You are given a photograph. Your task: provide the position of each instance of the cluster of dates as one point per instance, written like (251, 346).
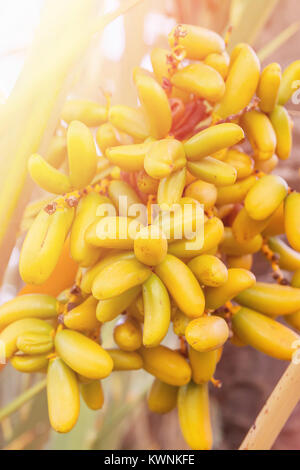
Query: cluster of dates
(86, 259)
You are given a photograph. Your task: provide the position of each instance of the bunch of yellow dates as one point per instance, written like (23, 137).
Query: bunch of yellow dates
(88, 259)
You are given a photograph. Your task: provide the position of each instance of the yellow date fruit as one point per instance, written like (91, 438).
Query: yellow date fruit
(198, 42)
(128, 157)
(90, 274)
(271, 299)
(203, 192)
(107, 136)
(89, 112)
(242, 162)
(63, 396)
(113, 232)
(162, 397)
(119, 277)
(268, 87)
(232, 247)
(260, 132)
(213, 234)
(167, 365)
(86, 213)
(209, 270)
(125, 360)
(213, 139)
(219, 62)
(150, 245)
(83, 355)
(30, 364)
(201, 80)
(132, 121)
(194, 416)
(264, 334)
(182, 285)
(241, 82)
(265, 196)
(245, 229)
(292, 220)
(289, 259)
(235, 193)
(171, 188)
(282, 125)
(213, 171)
(157, 311)
(238, 281)
(155, 105)
(92, 393)
(128, 334)
(164, 157)
(10, 334)
(207, 333)
(43, 245)
(83, 316)
(109, 309)
(203, 364)
(35, 343)
(48, 177)
(82, 156)
(28, 306)
(290, 82)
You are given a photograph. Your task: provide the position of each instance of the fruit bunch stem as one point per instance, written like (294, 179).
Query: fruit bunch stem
(275, 412)
(21, 399)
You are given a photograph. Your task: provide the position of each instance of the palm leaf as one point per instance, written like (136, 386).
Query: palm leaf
(31, 113)
(248, 17)
(278, 41)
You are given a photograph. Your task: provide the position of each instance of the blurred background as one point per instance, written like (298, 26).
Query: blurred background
(248, 377)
